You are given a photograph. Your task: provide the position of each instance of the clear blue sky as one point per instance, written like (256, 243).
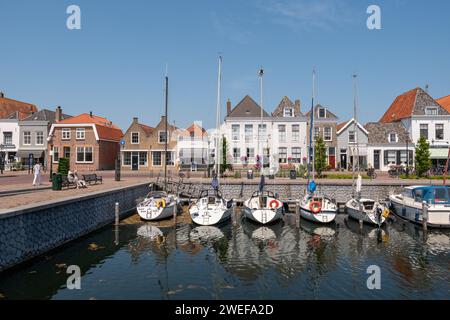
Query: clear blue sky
(115, 64)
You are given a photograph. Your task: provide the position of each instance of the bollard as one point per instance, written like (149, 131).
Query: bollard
(116, 235)
(117, 214)
(424, 215)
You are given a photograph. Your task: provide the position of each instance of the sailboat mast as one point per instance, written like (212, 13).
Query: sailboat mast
(355, 122)
(312, 121)
(260, 143)
(219, 82)
(165, 130)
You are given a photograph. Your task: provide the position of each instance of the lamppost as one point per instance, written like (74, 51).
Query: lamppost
(51, 159)
(407, 151)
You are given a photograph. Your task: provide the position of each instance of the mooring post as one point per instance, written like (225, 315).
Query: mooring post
(424, 215)
(297, 215)
(117, 214)
(234, 214)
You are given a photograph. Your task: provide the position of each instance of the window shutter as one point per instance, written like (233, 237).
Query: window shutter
(385, 157)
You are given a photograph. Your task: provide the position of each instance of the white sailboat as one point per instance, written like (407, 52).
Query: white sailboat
(314, 206)
(159, 205)
(211, 208)
(363, 209)
(262, 207)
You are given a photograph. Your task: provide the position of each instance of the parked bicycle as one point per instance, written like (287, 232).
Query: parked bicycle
(371, 173)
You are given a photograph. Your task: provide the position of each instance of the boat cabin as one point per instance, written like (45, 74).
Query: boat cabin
(429, 194)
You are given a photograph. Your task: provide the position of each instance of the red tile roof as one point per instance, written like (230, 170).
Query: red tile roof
(106, 129)
(147, 129)
(341, 125)
(22, 109)
(445, 102)
(401, 108)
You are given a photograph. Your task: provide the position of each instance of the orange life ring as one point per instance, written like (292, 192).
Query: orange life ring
(271, 204)
(315, 206)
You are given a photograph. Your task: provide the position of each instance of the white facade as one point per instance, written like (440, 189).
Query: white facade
(9, 139)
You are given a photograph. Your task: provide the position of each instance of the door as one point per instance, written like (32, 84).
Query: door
(332, 157)
(344, 161)
(135, 161)
(376, 159)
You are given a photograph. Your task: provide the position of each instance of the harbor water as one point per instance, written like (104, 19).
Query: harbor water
(293, 259)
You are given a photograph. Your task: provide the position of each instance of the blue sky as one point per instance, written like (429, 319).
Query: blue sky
(115, 64)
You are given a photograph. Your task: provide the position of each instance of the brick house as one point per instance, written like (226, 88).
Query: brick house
(144, 147)
(89, 141)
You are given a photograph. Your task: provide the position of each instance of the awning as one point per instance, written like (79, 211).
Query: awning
(439, 153)
(26, 153)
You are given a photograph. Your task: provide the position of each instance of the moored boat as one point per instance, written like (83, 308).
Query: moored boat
(262, 207)
(157, 205)
(211, 208)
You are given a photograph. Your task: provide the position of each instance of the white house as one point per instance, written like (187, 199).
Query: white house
(193, 146)
(352, 140)
(9, 139)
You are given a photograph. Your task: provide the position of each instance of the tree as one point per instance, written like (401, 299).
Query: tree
(224, 165)
(320, 156)
(423, 161)
(63, 166)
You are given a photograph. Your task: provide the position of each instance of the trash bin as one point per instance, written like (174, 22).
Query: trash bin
(292, 174)
(57, 181)
(250, 174)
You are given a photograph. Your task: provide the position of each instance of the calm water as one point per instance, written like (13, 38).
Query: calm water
(242, 261)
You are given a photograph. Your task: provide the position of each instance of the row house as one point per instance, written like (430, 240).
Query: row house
(90, 142)
(194, 147)
(281, 135)
(421, 115)
(143, 147)
(352, 141)
(325, 124)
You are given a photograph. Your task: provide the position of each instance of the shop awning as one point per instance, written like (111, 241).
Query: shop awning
(26, 153)
(439, 154)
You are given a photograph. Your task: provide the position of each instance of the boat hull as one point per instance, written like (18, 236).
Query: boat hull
(263, 216)
(367, 216)
(152, 213)
(324, 216)
(209, 216)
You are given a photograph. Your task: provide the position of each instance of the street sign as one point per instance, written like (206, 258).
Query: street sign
(122, 142)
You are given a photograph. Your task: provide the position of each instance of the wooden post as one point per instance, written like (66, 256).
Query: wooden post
(424, 215)
(297, 215)
(234, 216)
(117, 214)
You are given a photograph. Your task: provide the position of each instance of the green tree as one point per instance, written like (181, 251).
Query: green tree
(423, 161)
(63, 166)
(224, 165)
(320, 156)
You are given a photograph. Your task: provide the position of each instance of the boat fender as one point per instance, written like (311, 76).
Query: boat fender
(315, 206)
(160, 203)
(273, 204)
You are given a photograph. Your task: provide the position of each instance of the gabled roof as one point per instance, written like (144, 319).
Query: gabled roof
(413, 102)
(196, 129)
(379, 132)
(286, 103)
(329, 115)
(444, 102)
(247, 108)
(45, 115)
(342, 126)
(14, 108)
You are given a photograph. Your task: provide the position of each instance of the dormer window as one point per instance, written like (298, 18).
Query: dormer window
(392, 138)
(322, 113)
(431, 111)
(288, 112)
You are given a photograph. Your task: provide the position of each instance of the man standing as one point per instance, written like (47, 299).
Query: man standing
(37, 174)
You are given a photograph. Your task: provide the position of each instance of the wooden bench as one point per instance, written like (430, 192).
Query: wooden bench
(92, 178)
(66, 183)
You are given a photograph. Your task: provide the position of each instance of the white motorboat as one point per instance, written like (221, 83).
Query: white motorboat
(157, 205)
(211, 208)
(410, 205)
(262, 207)
(318, 208)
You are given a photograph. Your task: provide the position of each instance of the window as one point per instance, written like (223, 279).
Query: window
(296, 155)
(295, 132)
(66, 152)
(84, 154)
(55, 154)
(27, 138)
(127, 158)
(7, 138)
(316, 132)
(161, 137)
(439, 131)
(135, 138)
(327, 134)
(390, 157)
(424, 130)
(248, 133)
(169, 158)
(80, 133)
(282, 153)
(65, 134)
(39, 138)
(288, 112)
(351, 137)
(250, 153)
(322, 113)
(262, 132)
(143, 159)
(156, 158)
(235, 132)
(392, 137)
(282, 133)
(236, 154)
(431, 111)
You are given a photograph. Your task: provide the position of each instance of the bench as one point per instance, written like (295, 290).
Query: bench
(66, 183)
(92, 178)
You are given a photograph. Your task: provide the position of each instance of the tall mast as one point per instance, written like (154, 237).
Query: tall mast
(260, 143)
(355, 118)
(219, 82)
(165, 129)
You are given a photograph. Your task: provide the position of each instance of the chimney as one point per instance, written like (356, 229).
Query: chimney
(135, 120)
(297, 105)
(90, 114)
(228, 106)
(2, 95)
(163, 119)
(58, 114)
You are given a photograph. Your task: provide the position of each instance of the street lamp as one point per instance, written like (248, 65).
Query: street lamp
(51, 159)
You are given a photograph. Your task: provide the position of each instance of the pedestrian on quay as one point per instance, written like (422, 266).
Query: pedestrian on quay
(37, 174)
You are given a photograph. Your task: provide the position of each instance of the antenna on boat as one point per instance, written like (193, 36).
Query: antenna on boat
(219, 83)
(260, 144)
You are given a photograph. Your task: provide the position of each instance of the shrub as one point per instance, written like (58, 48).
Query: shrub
(63, 166)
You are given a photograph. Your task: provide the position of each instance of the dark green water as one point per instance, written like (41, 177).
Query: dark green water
(242, 261)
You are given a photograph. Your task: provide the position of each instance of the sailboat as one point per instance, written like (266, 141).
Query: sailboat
(362, 209)
(211, 208)
(314, 206)
(262, 207)
(159, 205)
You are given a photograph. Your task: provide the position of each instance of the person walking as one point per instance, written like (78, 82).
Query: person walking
(37, 174)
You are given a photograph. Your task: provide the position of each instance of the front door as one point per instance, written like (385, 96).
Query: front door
(332, 157)
(376, 159)
(344, 161)
(135, 161)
